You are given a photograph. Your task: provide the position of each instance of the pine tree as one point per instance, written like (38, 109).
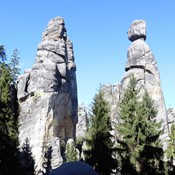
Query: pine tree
(14, 65)
(139, 146)
(99, 153)
(71, 152)
(170, 152)
(8, 124)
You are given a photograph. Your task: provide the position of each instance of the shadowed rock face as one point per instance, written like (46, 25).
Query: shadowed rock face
(47, 94)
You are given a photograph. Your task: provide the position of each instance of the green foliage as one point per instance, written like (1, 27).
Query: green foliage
(71, 152)
(99, 153)
(139, 145)
(8, 124)
(170, 152)
(27, 163)
(14, 65)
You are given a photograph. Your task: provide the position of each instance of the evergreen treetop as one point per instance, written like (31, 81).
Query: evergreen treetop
(14, 65)
(8, 124)
(99, 153)
(139, 144)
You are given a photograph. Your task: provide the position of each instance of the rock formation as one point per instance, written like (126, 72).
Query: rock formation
(112, 96)
(81, 127)
(47, 95)
(171, 116)
(142, 65)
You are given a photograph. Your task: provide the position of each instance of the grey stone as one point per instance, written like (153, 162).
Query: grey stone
(22, 85)
(171, 116)
(48, 95)
(112, 97)
(137, 30)
(142, 64)
(81, 127)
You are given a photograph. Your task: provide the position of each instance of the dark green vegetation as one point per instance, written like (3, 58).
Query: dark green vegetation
(10, 155)
(27, 163)
(100, 149)
(139, 147)
(46, 165)
(8, 119)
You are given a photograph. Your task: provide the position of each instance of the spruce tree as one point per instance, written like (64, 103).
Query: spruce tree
(139, 146)
(170, 152)
(14, 65)
(8, 124)
(99, 152)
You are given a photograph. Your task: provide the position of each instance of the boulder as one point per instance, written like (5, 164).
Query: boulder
(137, 30)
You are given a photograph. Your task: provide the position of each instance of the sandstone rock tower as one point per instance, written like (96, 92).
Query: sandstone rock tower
(142, 64)
(47, 95)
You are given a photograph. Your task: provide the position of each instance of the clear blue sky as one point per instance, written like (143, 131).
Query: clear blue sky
(97, 29)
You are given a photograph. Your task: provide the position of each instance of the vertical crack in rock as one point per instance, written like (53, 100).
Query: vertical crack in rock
(47, 95)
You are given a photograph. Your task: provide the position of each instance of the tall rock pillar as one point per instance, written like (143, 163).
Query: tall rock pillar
(142, 64)
(47, 95)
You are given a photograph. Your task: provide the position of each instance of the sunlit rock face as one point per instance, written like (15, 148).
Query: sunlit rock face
(171, 117)
(81, 127)
(112, 96)
(47, 95)
(142, 65)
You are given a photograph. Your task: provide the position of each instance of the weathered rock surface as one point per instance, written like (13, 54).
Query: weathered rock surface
(112, 96)
(142, 64)
(81, 127)
(137, 30)
(47, 94)
(171, 116)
